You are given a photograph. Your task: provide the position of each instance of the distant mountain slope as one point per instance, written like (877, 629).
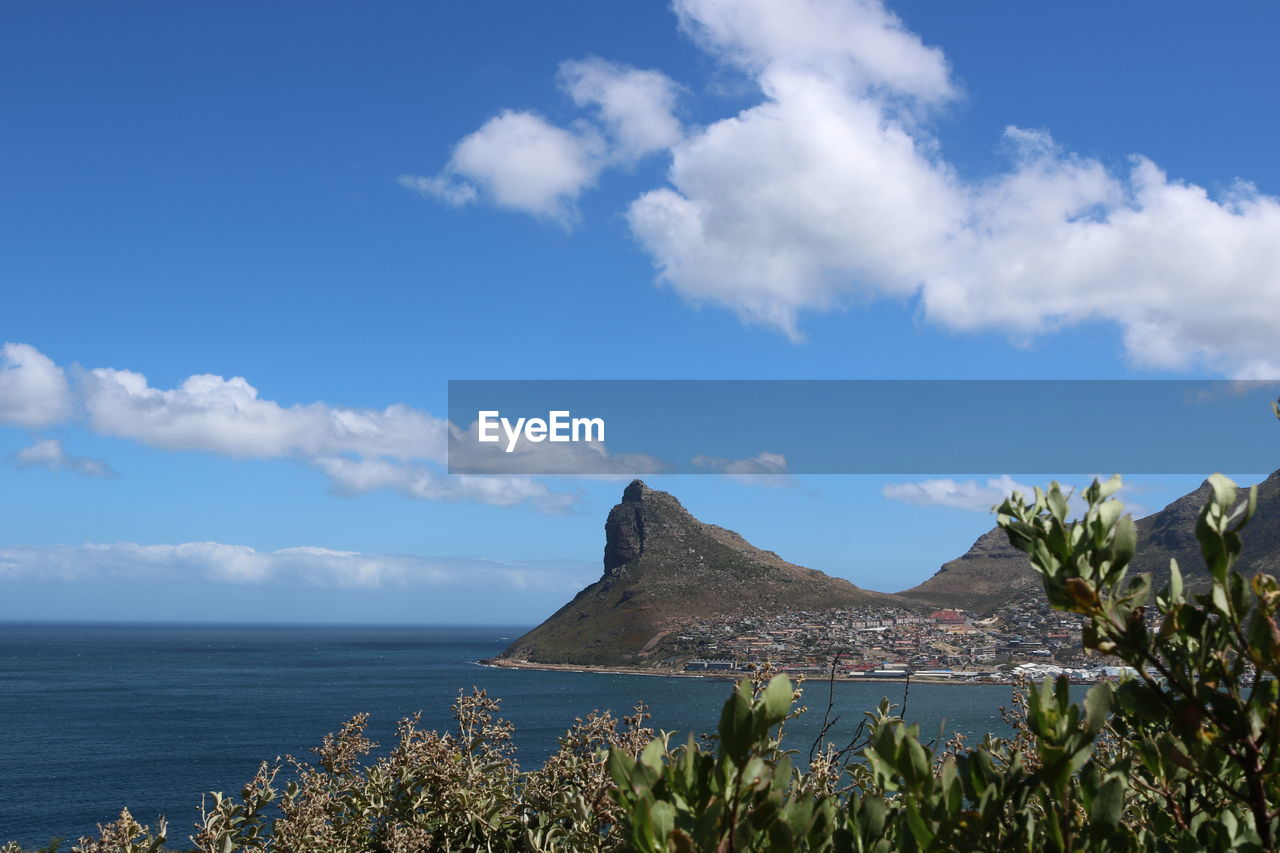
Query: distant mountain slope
(664, 568)
(989, 574)
(992, 572)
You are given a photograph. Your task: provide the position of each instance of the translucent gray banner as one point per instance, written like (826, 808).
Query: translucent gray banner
(777, 427)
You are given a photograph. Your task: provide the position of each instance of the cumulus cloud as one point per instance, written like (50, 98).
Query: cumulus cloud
(982, 497)
(353, 477)
(795, 204)
(858, 44)
(1185, 276)
(227, 416)
(218, 563)
(520, 161)
(833, 190)
(398, 448)
(49, 454)
(763, 469)
(957, 494)
(33, 389)
(637, 107)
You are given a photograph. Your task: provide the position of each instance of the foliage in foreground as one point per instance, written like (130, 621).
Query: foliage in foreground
(1180, 757)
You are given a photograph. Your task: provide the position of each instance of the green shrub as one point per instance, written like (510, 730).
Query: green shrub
(1180, 757)
(461, 790)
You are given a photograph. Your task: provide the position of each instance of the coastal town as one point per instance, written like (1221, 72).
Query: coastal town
(1024, 639)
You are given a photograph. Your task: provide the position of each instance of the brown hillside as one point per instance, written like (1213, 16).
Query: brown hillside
(992, 572)
(664, 568)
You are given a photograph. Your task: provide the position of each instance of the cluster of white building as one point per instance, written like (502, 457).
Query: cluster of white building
(1041, 671)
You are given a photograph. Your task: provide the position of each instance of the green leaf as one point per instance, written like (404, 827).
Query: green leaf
(1224, 490)
(653, 755)
(918, 760)
(1125, 542)
(777, 699)
(1108, 805)
(735, 721)
(662, 818)
(919, 829)
(1220, 598)
(1097, 705)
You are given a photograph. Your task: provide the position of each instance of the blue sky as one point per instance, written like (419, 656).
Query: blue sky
(348, 206)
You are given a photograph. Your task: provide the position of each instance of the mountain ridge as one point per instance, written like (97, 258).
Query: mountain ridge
(993, 572)
(664, 568)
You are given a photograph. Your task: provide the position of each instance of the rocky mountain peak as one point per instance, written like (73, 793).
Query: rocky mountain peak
(665, 569)
(635, 491)
(643, 514)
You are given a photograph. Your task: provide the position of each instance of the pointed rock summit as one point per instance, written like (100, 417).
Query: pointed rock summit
(625, 531)
(664, 569)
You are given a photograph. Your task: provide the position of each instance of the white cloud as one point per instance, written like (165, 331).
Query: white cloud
(1187, 278)
(763, 469)
(448, 188)
(858, 43)
(832, 190)
(519, 161)
(800, 202)
(398, 448)
(636, 106)
(982, 497)
(227, 416)
(49, 454)
(957, 494)
(213, 562)
(33, 390)
(361, 476)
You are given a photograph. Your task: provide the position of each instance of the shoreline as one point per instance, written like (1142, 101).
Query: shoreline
(723, 675)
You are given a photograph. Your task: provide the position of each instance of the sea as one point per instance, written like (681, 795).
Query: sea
(100, 717)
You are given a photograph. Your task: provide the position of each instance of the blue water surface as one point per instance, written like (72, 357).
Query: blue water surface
(98, 717)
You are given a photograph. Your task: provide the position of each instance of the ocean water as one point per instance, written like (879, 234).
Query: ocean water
(98, 717)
